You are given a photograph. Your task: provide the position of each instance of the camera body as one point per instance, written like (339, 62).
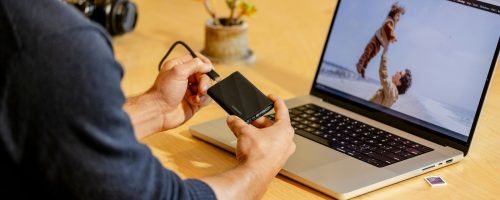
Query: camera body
(117, 16)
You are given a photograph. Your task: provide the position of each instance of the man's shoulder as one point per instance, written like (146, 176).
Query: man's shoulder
(393, 90)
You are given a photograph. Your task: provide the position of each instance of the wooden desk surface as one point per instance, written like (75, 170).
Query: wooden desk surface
(287, 37)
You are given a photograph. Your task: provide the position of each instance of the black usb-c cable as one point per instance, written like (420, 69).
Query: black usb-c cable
(212, 74)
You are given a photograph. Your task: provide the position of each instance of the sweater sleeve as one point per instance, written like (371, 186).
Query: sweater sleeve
(78, 141)
(383, 75)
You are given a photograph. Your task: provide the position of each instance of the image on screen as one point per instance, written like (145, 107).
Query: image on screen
(425, 61)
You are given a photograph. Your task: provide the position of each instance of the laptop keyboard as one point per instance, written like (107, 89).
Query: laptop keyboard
(351, 137)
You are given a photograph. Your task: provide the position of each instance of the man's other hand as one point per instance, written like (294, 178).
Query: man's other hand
(264, 146)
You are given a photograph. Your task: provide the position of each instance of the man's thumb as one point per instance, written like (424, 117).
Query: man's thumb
(236, 124)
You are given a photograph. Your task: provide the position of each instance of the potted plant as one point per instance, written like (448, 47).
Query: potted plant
(226, 38)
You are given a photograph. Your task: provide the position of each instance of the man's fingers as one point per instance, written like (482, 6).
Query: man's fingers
(203, 58)
(191, 67)
(204, 82)
(205, 100)
(236, 125)
(176, 61)
(184, 59)
(280, 108)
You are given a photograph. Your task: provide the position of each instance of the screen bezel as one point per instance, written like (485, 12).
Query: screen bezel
(404, 125)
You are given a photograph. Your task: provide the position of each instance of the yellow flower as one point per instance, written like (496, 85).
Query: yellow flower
(247, 9)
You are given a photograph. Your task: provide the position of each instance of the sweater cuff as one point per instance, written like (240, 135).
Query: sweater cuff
(199, 189)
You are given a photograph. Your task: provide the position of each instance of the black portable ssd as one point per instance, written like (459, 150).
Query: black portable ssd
(237, 96)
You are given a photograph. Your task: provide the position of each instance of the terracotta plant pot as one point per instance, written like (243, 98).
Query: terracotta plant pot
(227, 44)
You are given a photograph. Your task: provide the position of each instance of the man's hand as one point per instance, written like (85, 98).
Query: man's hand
(262, 149)
(264, 144)
(180, 90)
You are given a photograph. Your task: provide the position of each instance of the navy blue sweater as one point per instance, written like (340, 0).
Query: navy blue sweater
(63, 132)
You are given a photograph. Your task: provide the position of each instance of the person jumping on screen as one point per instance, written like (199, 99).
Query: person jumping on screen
(384, 35)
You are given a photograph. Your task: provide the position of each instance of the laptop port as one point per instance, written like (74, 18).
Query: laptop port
(432, 166)
(449, 161)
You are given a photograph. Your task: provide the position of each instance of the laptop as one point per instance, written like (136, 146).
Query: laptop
(356, 134)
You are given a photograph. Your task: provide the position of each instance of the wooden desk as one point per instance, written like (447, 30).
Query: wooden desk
(288, 38)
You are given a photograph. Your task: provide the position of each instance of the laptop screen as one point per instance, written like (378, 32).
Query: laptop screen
(426, 62)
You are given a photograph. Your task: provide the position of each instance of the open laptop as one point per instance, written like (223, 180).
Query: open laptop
(349, 141)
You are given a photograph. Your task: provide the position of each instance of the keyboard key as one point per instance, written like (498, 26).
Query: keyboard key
(406, 142)
(395, 157)
(309, 129)
(304, 115)
(306, 122)
(392, 143)
(313, 119)
(309, 111)
(413, 151)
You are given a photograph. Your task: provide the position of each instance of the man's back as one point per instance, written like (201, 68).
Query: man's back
(63, 132)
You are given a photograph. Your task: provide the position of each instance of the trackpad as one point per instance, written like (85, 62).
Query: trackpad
(310, 154)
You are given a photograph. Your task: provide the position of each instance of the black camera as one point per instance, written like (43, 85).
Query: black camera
(117, 16)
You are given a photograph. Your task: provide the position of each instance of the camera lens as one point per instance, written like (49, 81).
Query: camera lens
(123, 17)
(117, 16)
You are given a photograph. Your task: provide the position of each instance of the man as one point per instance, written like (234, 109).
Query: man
(67, 131)
(388, 94)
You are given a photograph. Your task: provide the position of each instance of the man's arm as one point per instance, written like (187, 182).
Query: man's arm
(383, 75)
(80, 143)
(145, 113)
